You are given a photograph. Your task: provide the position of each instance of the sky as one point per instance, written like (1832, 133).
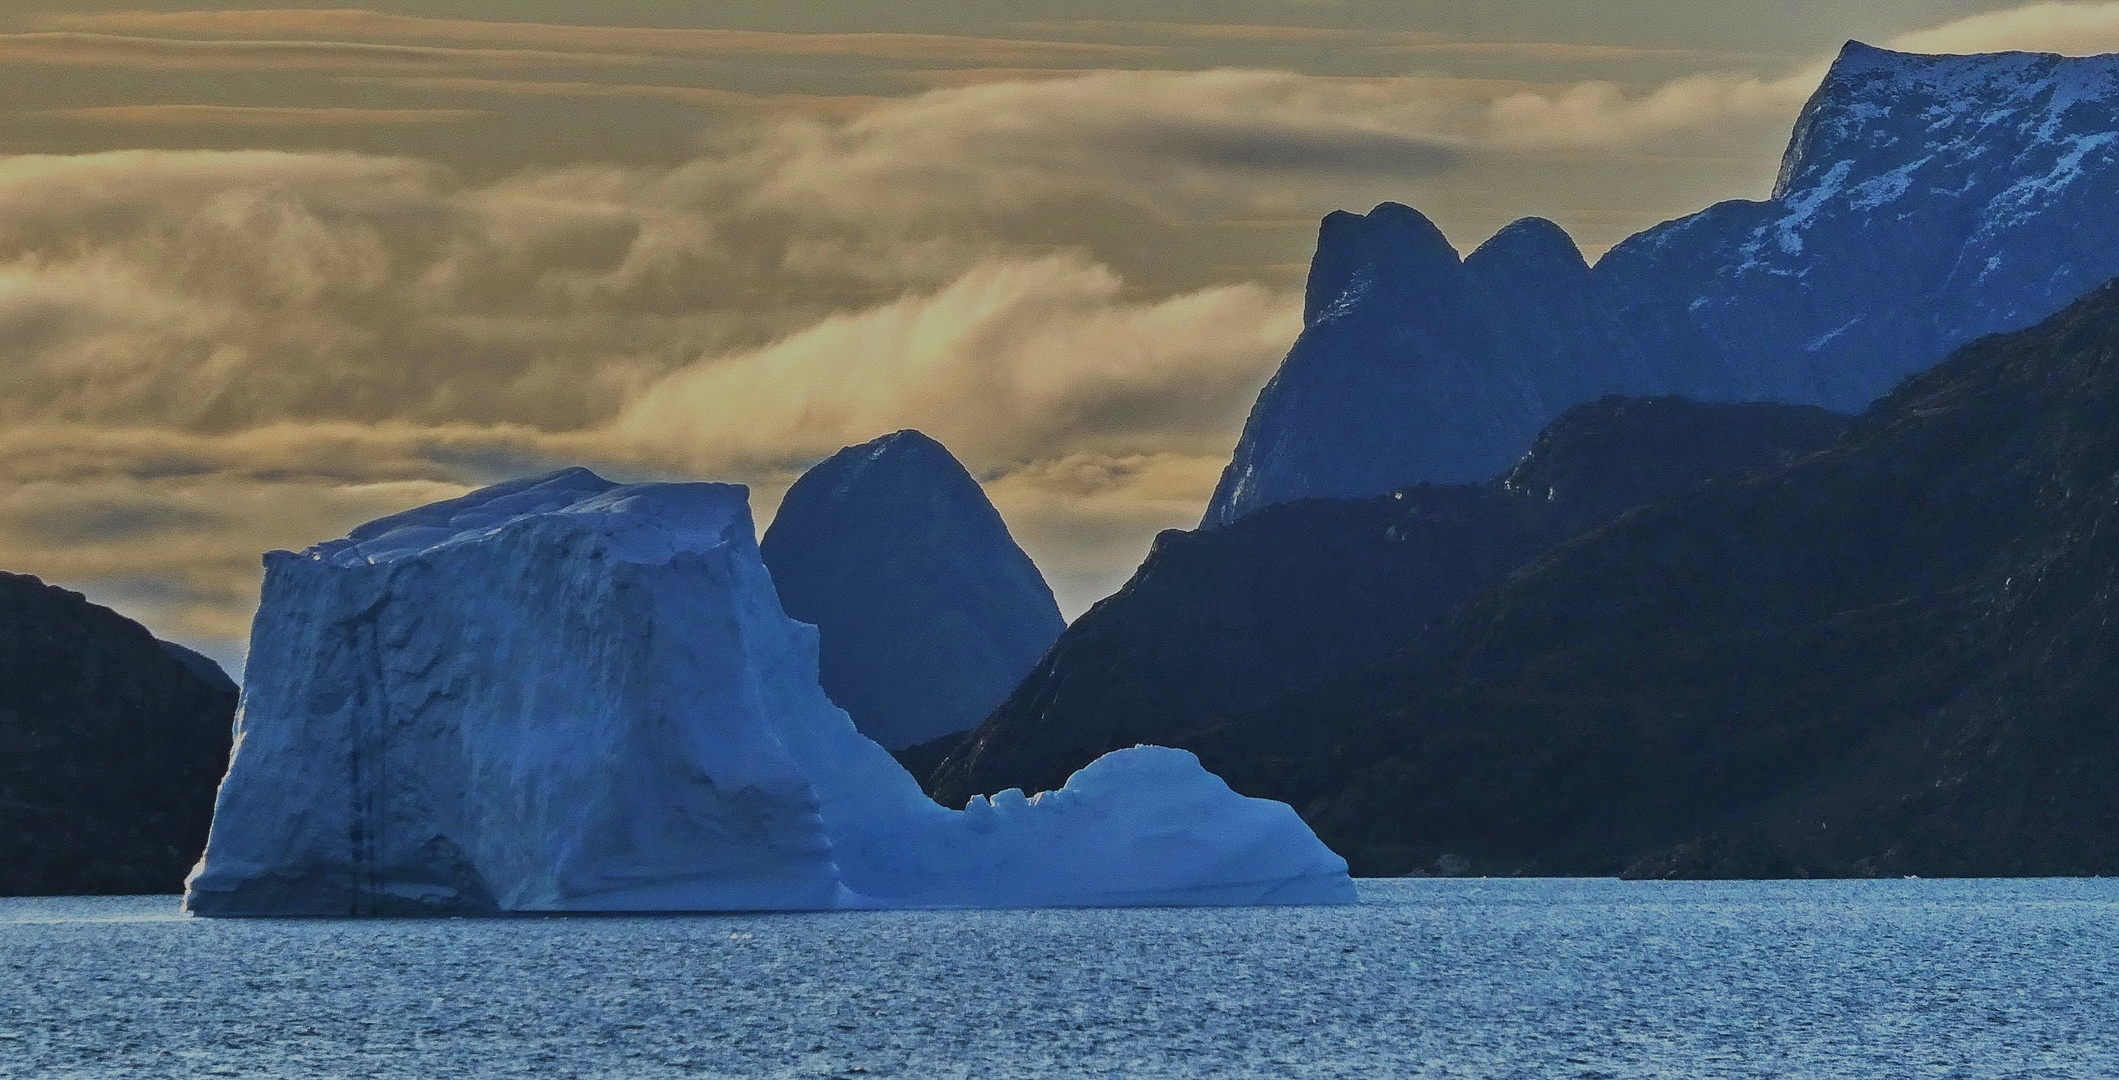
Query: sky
(268, 272)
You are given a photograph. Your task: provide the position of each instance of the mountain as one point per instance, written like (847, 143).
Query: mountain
(1224, 620)
(1413, 365)
(1617, 453)
(1892, 656)
(1551, 314)
(110, 748)
(1923, 201)
(928, 611)
(205, 667)
(561, 694)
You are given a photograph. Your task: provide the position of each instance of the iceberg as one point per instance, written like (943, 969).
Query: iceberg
(563, 694)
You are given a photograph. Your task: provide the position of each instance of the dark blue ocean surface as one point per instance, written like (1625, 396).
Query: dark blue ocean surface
(1555, 978)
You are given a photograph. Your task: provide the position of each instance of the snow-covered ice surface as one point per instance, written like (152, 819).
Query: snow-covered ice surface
(561, 694)
(1466, 978)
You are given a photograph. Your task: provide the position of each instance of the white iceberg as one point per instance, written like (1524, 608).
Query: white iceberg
(560, 694)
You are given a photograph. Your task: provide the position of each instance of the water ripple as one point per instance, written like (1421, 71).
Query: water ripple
(1464, 979)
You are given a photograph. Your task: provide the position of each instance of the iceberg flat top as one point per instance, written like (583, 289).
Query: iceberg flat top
(647, 523)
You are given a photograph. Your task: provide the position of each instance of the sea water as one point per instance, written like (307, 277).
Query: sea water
(1448, 978)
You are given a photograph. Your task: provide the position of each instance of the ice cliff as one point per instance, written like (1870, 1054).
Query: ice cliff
(927, 611)
(560, 694)
(1923, 201)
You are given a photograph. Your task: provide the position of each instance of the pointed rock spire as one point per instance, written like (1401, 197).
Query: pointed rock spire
(929, 613)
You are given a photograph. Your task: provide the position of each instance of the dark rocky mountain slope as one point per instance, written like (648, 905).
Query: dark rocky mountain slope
(1899, 655)
(927, 611)
(1224, 620)
(111, 748)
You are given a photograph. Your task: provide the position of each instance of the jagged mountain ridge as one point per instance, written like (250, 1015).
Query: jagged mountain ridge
(928, 611)
(1893, 656)
(1923, 201)
(1220, 621)
(1415, 365)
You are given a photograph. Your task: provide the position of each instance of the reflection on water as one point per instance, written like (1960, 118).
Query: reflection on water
(1574, 979)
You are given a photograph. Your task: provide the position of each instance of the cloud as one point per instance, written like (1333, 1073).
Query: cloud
(1012, 362)
(1243, 148)
(868, 197)
(1242, 33)
(1068, 396)
(2075, 29)
(666, 41)
(1094, 420)
(217, 291)
(1570, 51)
(248, 116)
(1155, 140)
(1087, 518)
(696, 97)
(950, 78)
(175, 54)
(1076, 278)
(1386, 41)
(1603, 114)
(328, 453)
(1178, 147)
(182, 553)
(168, 525)
(203, 354)
(1405, 86)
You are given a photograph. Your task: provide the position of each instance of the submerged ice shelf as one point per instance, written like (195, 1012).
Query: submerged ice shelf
(561, 694)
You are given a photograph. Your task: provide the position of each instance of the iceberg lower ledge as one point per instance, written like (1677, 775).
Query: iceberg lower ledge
(560, 694)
